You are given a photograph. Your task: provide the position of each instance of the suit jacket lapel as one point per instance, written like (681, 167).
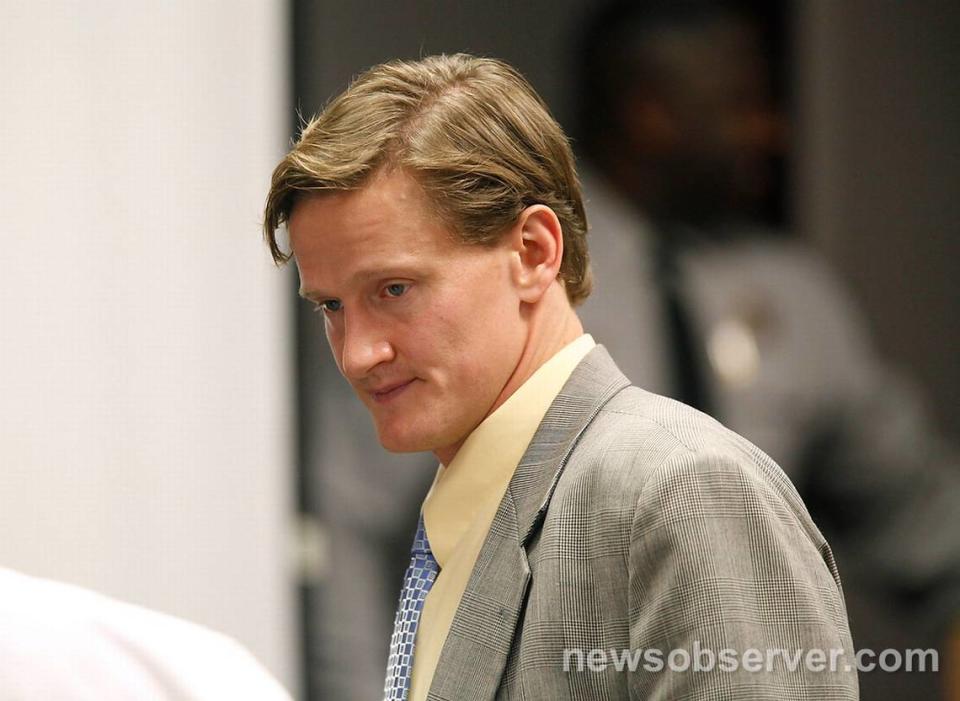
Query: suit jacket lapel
(477, 647)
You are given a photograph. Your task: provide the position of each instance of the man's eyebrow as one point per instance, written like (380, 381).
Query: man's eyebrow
(311, 295)
(384, 271)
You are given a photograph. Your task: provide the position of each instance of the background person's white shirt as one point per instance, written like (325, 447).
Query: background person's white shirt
(63, 642)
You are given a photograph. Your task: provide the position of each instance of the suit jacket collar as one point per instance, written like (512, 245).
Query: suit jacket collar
(481, 634)
(591, 385)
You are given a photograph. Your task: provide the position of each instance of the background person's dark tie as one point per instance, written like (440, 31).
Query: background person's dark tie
(685, 347)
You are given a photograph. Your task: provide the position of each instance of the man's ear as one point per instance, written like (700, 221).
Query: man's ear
(537, 241)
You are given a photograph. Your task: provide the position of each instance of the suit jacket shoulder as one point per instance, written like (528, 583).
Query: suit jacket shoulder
(638, 436)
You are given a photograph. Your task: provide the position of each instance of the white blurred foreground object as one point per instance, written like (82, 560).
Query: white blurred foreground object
(62, 642)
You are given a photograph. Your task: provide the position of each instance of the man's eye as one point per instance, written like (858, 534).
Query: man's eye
(396, 289)
(329, 305)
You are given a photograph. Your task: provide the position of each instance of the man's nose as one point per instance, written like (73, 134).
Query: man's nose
(365, 346)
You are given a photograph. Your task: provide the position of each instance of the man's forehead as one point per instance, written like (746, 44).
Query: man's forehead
(376, 201)
(382, 235)
(343, 239)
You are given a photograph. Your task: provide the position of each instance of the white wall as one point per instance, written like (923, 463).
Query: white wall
(145, 362)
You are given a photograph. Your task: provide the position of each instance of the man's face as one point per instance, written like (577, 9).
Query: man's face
(426, 329)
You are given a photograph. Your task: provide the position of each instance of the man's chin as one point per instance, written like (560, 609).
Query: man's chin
(407, 439)
(405, 442)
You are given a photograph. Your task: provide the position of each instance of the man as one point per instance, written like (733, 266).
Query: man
(700, 298)
(437, 223)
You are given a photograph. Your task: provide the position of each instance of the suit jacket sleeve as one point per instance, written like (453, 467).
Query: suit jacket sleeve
(724, 559)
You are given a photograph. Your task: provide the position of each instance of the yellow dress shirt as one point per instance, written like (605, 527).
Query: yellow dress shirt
(465, 495)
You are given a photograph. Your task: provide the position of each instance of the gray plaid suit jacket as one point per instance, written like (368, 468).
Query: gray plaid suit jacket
(634, 522)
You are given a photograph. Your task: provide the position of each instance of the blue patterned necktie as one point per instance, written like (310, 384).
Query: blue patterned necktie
(420, 576)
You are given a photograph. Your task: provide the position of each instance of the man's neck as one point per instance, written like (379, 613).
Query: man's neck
(552, 324)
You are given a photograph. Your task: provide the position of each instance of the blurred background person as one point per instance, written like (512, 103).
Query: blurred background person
(685, 136)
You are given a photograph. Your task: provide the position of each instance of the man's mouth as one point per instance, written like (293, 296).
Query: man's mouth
(385, 393)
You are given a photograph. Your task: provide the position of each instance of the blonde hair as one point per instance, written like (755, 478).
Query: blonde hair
(472, 132)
